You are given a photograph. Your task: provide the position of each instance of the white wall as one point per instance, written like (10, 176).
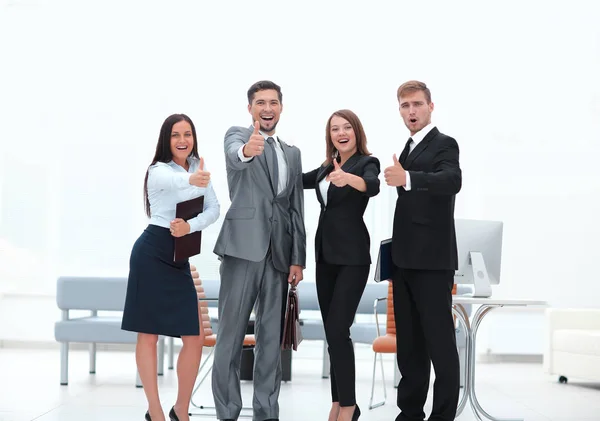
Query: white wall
(85, 86)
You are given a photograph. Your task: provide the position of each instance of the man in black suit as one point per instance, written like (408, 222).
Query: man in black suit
(427, 177)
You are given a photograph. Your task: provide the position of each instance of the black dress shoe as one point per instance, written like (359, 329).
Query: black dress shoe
(172, 415)
(147, 416)
(356, 413)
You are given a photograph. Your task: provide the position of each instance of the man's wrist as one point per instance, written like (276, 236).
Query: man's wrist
(244, 151)
(242, 156)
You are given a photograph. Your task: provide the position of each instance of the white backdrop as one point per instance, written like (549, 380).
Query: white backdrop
(85, 86)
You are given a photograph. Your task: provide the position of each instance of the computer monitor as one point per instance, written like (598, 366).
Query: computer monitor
(479, 254)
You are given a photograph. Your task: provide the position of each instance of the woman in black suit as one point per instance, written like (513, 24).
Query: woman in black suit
(344, 184)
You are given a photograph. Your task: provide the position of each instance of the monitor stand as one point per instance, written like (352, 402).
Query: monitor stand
(481, 280)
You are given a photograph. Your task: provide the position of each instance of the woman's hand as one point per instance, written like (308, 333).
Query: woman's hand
(179, 227)
(338, 177)
(200, 178)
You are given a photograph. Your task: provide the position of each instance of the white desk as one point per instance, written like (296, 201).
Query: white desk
(471, 327)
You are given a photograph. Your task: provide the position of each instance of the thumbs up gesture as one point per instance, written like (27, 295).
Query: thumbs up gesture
(338, 177)
(200, 178)
(256, 144)
(395, 175)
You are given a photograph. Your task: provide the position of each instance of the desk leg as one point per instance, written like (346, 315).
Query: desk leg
(477, 409)
(460, 312)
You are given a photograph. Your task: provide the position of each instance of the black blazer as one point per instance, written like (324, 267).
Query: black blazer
(424, 235)
(342, 237)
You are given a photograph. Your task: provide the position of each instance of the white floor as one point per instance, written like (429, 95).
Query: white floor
(30, 390)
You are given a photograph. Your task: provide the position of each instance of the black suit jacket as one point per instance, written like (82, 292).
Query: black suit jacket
(342, 237)
(424, 235)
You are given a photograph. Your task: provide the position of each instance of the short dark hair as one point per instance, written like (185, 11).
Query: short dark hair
(262, 86)
(414, 86)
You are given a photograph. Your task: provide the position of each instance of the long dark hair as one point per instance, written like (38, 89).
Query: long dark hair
(361, 138)
(163, 149)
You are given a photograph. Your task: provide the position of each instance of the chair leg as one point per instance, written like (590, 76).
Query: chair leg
(64, 363)
(202, 379)
(161, 356)
(462, 358)
(138, 380)
(378, 404)
(326, 363)
(204, 363)
(93, 358)
(171, 353)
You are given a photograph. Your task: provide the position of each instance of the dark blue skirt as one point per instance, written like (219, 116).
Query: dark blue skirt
(161, 297)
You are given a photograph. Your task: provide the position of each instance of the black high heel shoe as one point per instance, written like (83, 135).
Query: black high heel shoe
(172, 415)
(356, 413)
(147, 416)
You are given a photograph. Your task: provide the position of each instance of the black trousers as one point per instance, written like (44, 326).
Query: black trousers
(339, 289)
(425, 334)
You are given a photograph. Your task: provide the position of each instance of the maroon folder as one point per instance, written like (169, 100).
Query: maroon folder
(188, 245)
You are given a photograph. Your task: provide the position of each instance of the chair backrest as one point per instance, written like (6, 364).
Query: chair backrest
(210, 287)
(206, 325)
(308, 300)
(390, 327)
(370, 294)
(307, 296)
(91, 293)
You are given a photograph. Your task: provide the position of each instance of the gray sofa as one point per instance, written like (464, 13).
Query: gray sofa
(96, 295)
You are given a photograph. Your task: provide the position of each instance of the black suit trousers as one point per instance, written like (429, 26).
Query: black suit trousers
(425, 334)
(339, 290)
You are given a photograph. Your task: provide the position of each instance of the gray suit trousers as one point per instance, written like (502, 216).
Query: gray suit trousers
(244, 283)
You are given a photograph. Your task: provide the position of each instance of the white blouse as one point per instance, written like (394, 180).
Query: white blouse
(324, 187)
(169, 184)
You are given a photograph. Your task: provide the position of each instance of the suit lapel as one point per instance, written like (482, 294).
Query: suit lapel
(263, 161)
(321, 174)
(351, 162)
(286, 153)
(423, 144)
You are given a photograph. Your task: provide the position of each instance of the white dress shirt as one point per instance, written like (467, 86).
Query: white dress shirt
(416, 139)
(281, 162)
(169, 184)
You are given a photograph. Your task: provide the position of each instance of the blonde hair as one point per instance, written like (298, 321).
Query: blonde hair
(414, 86)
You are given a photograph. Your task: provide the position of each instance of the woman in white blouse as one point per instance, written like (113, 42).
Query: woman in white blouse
(161, 296)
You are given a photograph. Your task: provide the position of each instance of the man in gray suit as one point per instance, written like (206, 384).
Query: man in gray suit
(262, 245)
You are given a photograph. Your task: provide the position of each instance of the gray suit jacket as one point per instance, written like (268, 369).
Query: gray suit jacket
(258, 216)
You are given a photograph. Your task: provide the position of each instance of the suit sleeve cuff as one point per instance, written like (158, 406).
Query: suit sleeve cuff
(407, 185)
(241, 154)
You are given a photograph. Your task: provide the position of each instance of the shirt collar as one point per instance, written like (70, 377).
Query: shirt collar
(190, 160)
(420, 135)
(274, 136)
